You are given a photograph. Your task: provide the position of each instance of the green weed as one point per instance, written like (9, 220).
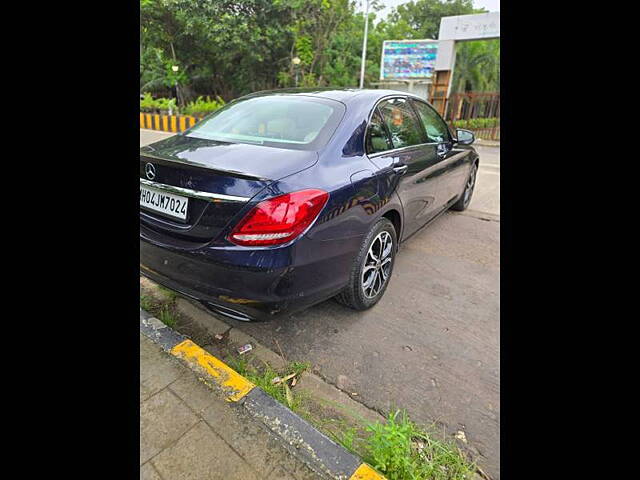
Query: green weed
(402, 451)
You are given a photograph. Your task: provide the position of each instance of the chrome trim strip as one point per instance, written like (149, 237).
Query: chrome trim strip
(212, 197)
(399, 150)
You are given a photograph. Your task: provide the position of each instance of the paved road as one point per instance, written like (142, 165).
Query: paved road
(150, 136)
(486, 197)
(431, 345)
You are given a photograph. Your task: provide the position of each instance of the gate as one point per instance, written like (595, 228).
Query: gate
(478, 112)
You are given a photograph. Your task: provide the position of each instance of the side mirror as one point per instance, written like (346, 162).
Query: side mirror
(465, 137)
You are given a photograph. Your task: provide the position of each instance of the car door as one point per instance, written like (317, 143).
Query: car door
(397, 144)
(455, 162)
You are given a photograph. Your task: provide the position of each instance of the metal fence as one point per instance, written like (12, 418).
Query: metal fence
(478, 112)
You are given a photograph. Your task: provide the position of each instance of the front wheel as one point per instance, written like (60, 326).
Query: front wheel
(372, 268)
(465, 199)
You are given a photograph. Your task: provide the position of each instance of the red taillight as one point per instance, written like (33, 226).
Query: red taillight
(279, 219)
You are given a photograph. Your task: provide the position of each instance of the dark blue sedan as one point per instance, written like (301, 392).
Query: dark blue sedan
(283, 199)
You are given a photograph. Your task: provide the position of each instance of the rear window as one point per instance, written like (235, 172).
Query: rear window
(295, 122)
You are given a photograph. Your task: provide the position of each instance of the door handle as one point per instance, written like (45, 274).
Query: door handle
(441, 150)
(400, 169)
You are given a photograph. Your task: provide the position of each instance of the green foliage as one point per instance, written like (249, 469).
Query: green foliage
(421, 18)
(304, 49)
(402, 451)
(477, 67)
(202, 107)
(167, 316)
(147, 104)
(146, 302)
(309, 80)
(165, 310)
(264, 377)
(198, 107)
(157, 105)
(477, 123)
(397, 448)
(284, 79)
(228, 49)
(299, 367)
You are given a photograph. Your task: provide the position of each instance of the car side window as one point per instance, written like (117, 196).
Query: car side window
(437, 130)
(377, 137)
(401, 123)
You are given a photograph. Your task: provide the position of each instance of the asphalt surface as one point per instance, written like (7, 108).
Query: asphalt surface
(431, 345)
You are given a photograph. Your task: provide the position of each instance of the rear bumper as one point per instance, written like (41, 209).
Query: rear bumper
(248, 284)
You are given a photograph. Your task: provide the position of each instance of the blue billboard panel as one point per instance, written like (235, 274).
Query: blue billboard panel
(408, 59)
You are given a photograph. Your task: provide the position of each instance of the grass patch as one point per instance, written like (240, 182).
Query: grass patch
(401, 451)
(163, 311)
(146, 302)
(169, 294)
(167, 316)
(264, 377)
(398, 448)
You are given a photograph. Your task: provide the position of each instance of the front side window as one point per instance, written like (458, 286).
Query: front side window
(377, 138)
(401, 123)
(437, 131)
(301, 123)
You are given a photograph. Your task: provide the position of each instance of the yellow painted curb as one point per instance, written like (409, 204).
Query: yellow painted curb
(365, 472)
(234, 384)
(167, 123)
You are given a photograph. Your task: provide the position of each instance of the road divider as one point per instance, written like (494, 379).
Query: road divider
(167, 123)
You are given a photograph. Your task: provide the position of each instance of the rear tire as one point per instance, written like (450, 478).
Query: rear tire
(372, 268)
(465, 199)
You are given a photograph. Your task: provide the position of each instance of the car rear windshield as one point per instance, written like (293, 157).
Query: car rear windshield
(294, 122)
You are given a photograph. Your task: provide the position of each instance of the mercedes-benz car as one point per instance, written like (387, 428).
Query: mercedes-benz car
(283, 199)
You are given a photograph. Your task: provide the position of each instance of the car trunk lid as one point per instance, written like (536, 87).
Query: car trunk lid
(218, 179)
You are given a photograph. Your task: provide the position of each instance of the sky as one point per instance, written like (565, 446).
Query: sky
(490, 5)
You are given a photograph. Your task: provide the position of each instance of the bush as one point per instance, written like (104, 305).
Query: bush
(202, 107)
(198, 107)
(159, 105)
(477, 123)
(403, 451)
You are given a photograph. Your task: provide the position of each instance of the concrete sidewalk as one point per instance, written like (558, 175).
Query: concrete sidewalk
(188, 431)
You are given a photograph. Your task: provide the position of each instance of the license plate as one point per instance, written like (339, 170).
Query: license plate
(163, 202)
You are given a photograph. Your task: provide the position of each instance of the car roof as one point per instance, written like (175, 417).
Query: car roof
(344, 95)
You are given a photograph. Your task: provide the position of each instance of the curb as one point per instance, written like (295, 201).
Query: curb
(167, 123)
(301, 439)
(487, 143)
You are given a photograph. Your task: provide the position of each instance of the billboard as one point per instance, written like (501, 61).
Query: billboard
(408, 59)
(470, 27)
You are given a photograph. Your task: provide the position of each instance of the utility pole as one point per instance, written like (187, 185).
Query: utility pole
(364, 43)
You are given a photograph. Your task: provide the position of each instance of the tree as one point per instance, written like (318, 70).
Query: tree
(233, 47)
(477, 67)
(223, 46)
(421, 18)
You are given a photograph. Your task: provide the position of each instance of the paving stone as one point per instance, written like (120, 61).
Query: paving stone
(157, 370)
(177, 441)
(202, 455)
(163, 419)
(194, 393)
(147, 472)
(260, 448)
(280, 473)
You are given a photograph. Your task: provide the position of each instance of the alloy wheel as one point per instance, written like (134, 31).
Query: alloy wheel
(471, 183)
(377, 265)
